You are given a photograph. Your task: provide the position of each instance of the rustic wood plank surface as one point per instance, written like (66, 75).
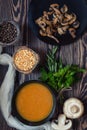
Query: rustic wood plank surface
(75, 53)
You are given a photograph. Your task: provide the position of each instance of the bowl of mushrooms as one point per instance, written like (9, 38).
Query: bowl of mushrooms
(58, 22)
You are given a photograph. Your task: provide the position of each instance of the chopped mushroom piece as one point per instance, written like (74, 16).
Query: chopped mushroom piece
(68, 17)
(73, 108)
(73, 19)
(64, 9)
(62, 123)
(42, 33)
(48, 30)
(60, 31)
(72, 31)
(41, 23)
(54, 5)
(76, 24)
(55, 20)
(45, 14)
(65, 28)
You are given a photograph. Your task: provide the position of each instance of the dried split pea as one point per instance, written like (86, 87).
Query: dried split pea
(25, 59)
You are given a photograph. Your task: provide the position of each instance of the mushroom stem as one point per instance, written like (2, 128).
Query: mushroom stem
(63, 123)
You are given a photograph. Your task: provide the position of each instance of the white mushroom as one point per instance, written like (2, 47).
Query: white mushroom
(62, 123)
(73, 108)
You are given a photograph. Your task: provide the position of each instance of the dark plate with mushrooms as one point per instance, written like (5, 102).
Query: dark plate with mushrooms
(58, 22)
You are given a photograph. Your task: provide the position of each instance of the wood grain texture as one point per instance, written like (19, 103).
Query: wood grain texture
(75, 53)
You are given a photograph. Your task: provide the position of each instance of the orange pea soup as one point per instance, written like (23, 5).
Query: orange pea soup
(34, 102)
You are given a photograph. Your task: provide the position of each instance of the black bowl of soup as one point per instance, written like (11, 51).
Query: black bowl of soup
(33, 103)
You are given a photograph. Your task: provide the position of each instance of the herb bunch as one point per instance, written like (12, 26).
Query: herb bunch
(57, 75)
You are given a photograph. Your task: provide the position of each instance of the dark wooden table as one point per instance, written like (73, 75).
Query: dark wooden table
(75, 53)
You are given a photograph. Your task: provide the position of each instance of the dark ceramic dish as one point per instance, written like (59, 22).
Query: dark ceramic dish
(78, 7)
(17, 115)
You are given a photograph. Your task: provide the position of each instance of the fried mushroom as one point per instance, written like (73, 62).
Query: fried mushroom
(43, 33)
(54, 5)
(68, 17)
(76, 24)
(64, 9)
(60, 31)
(53, 37)
(57, 21)
(45, 15)
(72, 31)
(41, 23)
(73, 19)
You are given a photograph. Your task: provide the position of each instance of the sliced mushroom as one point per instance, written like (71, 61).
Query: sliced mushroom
(62, 123)
(38, 20)
(48, 35)
(76, 24)
(54, 5)
(73, 19)
(64, 9)
(72, 32)
(57, 11)
(65, 28)
(47, 22)
(60, 31)
(48, 30)
(50, 13)
(43, 33)
(55, 20)
(73, 108)
(51, 36)
(60, 18)
(41, 24)
(68, 17)
(45, 15)
(64, 23)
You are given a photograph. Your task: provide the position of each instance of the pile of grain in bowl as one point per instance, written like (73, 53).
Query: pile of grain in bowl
(25, 59)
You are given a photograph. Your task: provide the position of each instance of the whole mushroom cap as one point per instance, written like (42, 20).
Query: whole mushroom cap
(73, 108)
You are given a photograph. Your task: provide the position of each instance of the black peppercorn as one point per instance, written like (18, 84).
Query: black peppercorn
(8, 32)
